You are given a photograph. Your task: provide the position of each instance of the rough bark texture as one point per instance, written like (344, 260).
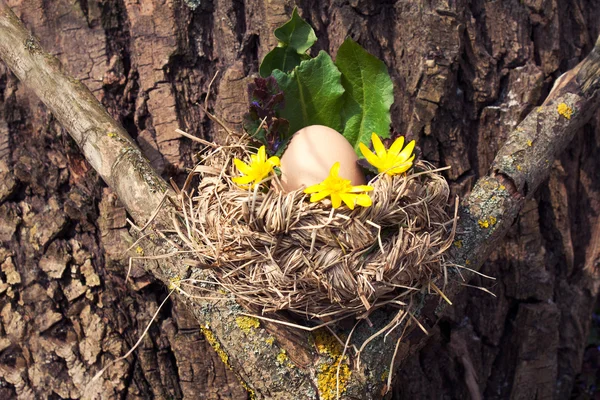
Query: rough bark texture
(465, 74)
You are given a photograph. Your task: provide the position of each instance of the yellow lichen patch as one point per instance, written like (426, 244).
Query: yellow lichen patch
(502, 187)
(139, 250)
(487, 222)
(529, 143)
(565, 110)
(247, 324)
(270, 340)
(282, 357)
(174, 282)
(519, 167)
(327, 373)
(327, 344)
(212, 340)
(467, 262)
(112, 135)
(458, 244)
(327, 378)
(251, 394)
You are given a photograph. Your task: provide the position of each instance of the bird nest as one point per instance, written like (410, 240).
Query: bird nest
(278, 251)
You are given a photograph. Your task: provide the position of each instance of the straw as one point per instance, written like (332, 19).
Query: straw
(277, 251)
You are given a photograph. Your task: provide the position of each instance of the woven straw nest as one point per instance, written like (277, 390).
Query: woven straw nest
(277, 251)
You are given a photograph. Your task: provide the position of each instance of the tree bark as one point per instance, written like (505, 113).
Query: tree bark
(465, 76)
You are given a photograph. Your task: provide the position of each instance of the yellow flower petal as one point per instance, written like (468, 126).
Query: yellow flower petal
(338, 189)
(242, 166)
(349, 199)
(378, 146)
(364, 200)
(371, 158)
(405, 166)
(261, 155)
(319, 196)
(393, 161)
(404, 154)
(274, 161)
(319, 187)
(243, 180)
(396, 146)
(258, 169)
(335, 170)
(336, 200)
(361, 188)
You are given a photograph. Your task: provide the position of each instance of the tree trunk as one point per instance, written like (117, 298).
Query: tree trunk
(465, 74)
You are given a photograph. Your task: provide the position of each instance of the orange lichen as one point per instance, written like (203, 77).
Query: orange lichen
(565, 110)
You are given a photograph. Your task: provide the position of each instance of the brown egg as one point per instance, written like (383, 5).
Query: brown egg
(311, 154)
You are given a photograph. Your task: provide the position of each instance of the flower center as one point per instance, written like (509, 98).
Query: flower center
(262, 170)
(338, 185)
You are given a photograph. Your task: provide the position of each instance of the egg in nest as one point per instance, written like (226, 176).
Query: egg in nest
(310, 155)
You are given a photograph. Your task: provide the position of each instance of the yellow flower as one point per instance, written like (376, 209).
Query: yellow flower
(260, 167)
(339, 189)
(392, 161)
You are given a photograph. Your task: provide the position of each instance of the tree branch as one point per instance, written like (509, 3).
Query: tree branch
(485, 216)
(121, 164)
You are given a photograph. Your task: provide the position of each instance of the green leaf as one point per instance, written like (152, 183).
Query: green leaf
(296, 33)
(281, 58)
(369, 94)
(313, 94)
(295, 37)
